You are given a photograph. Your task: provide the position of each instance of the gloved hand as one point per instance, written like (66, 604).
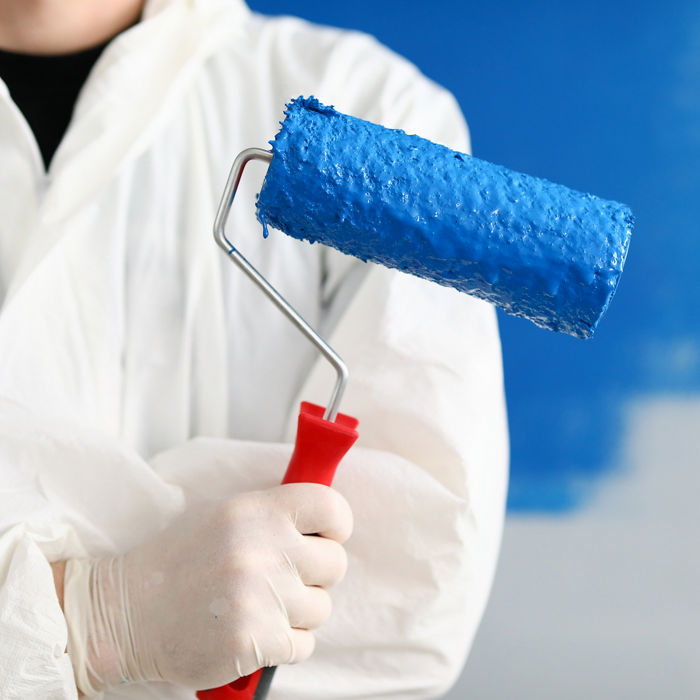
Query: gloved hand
(217, 595)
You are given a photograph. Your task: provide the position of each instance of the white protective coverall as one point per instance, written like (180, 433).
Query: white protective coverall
(125, 334)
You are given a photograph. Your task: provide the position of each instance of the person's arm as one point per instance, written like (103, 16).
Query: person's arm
(427, 479)
(188, 565)
(58, 569)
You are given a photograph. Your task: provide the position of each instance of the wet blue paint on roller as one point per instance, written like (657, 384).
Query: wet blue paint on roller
(534, 248)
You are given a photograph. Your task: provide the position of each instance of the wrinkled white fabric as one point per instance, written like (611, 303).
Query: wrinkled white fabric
(125, 333)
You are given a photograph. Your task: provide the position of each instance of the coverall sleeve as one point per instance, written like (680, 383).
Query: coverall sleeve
(426, 481)
(58, 501)
(428, 477)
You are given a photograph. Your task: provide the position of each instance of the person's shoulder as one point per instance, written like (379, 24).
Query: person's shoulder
(359, 75)
(301, 33)
(307, 47)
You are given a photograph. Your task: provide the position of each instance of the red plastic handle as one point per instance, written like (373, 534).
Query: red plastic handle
(319, 447)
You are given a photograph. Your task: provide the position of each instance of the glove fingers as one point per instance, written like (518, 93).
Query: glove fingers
(316, 509)
(320, 561)
(308, 607)
(303, 643)
(290, 647)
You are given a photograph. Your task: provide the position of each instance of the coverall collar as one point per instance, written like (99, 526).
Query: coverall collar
(132, 92)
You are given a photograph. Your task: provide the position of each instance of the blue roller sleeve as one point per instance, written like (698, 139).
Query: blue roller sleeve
(536, 249)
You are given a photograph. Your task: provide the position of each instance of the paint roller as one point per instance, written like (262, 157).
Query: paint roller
(534, 248)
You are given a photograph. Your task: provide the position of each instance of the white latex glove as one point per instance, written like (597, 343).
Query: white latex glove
(217, 595)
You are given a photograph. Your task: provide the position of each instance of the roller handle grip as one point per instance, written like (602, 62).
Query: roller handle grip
(318, 449)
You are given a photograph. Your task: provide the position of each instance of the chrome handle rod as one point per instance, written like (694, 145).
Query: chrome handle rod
(234, 178)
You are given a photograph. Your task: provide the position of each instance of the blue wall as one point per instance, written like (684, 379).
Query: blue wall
(604, 97)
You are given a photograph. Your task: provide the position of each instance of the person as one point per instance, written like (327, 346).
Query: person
(148, 392)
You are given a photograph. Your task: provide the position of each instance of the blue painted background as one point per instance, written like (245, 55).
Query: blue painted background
(604, 97)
